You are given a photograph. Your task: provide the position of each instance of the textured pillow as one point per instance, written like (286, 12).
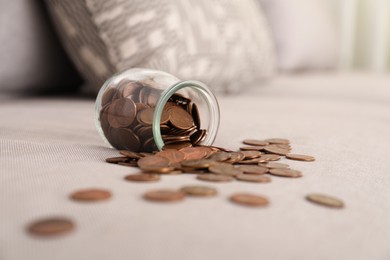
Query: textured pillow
(225, 44)
(31, 56)
(304, 32)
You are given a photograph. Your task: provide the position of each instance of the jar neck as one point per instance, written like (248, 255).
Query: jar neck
(204, 93)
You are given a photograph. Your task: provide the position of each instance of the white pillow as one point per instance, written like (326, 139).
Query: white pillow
(305, 34)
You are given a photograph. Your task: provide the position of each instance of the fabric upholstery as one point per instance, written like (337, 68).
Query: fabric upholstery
(225, 44)
(49, 147)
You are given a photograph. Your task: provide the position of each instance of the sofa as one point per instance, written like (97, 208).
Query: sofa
(50, 147)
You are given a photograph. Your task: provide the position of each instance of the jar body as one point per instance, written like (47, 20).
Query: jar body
(145, 110)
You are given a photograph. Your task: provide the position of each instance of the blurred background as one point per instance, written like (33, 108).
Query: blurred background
(308, 35)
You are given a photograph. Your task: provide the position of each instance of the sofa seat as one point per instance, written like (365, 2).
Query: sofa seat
(49, 147)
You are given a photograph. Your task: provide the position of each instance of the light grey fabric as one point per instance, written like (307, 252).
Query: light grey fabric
(31, 57)
(225, 44)
(49, 148)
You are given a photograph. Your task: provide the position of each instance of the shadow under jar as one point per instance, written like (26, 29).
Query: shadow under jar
(144, 110)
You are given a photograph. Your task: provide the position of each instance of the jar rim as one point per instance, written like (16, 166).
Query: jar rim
(205, 93)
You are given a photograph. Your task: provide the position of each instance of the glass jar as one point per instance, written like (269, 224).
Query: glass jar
(144, 110)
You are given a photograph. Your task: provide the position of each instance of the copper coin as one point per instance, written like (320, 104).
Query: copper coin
(108, 96)
(164, 195)
(284, 172)
(197, 164)
(194, 153)
(174, 156)
(195, 115)
(199, 191)
(130, 154)
(117, 159)
(124, 139)
(251, 148)
(91, 195)
(121, 113)
(130, 88)
(274, 165)
(235, 157)
(129, 164)
(273, 149)
(180, 118)
(253, 169)
(51, 226)
(215, 178)
(253, 178)
(249, 199)
(224, 169)
(177, 146)
(277, 141)
(269, 157)
(219, 156)
(255, 161)
(143, 177)
(145, 116)
(325, 200)
(251, 154)
(300, 157)
(155, 164)
(255, 142)
(198, 136)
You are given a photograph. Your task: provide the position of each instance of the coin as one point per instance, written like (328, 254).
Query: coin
(180, 118)
(269, 157)
(249, 199)
(274, 165)
(235, 157)
(215, 178)
(177, 146)
(254, 161)
(325, 200)
(251, 148)
(300, 157)
(253, 169)
(253, 178)
(117, 159)
(277, 141)
(145, 116)
(164, 195)
(194, 153)
(255, 142)
(108, 95)
(285, 172)
(153, 162)
(199, 191)
(53, 226)
(273, 149)
(91, 194)
(121, 113)
(219, 156)
(131, 155)
(251, 154)
(197, 164)
(198, 136)
(174, 156)
(143, 177)
(221, 168)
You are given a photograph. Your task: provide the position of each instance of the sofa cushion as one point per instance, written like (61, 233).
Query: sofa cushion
(225, 44)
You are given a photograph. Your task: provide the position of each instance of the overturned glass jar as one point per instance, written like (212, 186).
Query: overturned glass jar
(144, 110)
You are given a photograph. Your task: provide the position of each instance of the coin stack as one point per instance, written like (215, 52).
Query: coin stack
(127, 112)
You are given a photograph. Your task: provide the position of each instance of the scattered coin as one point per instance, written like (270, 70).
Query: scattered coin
(274, 165)
(253, 169)
(300, 157)
(277, 141)
(143, 177)
(198, 164)
(91, 195)
(164, 195)
(194, 153)
(221, 168)
(255, 142)
(285, 172)
(51, 226)
(253, 178)
(199, 191)
(251, 148)
(215, 178)
(325, 200)
(117, 159)
(249, 199)
(251, 154)
(174, 156)
(155, 164)
(273, 149)
(270, 157)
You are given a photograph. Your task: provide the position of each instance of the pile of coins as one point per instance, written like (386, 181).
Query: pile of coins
(255, 162)
(127, 112)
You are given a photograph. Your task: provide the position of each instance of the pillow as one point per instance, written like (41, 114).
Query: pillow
(304, 32)
(225, 44)
(32, 58)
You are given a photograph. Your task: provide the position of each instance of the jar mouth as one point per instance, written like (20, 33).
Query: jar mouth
(204, 93)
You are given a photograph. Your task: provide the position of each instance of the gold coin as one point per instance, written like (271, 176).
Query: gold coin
(285, 172)
(253, 169)
(91, 195)
(51, 226)
(174, 156)
(277, 141)
(143, 177)
(249, 199)
(300, 157)
(253, 178)
(164, 195)
(325, 200)
(197, 164)
(200, 191)
(255, 142)
(221, 168)
(215, 178)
